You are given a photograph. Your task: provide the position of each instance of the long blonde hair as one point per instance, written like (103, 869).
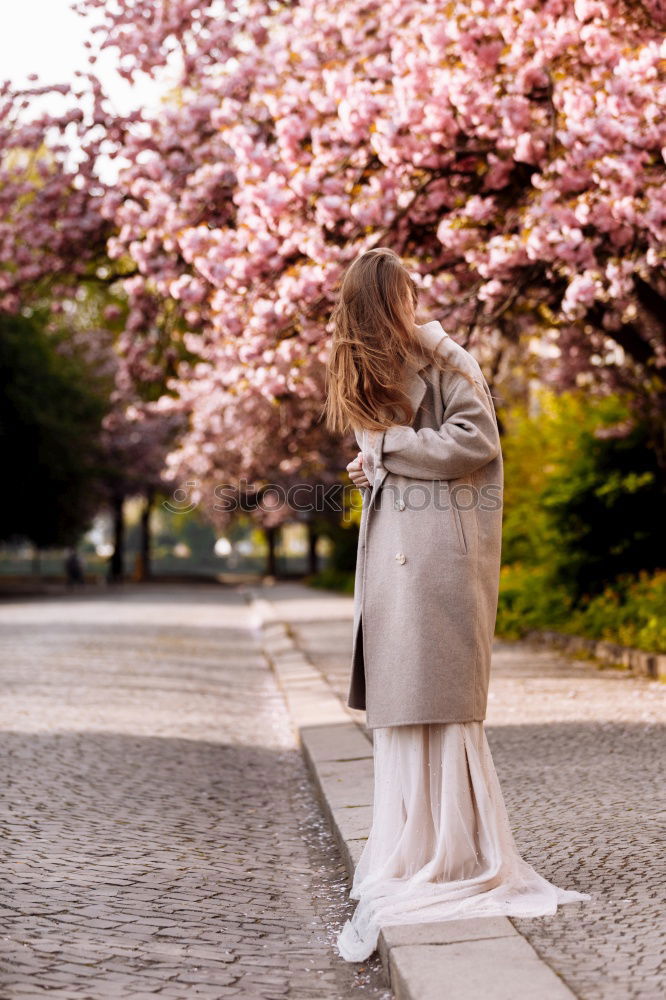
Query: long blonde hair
(373, 344)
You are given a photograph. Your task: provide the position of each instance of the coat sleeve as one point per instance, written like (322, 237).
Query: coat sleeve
(467, 440)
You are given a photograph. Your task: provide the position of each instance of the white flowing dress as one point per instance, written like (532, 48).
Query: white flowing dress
(440, 846)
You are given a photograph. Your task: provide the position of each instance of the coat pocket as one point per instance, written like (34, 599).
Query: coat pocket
(459, 527)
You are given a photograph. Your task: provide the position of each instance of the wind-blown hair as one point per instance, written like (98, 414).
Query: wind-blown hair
(374, 344)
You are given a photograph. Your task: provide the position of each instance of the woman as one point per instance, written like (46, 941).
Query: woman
(425, 601)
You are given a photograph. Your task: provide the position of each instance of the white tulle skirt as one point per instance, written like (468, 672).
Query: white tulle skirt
(440, 846)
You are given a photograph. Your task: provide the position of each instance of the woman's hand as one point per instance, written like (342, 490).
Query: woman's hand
(356, 473)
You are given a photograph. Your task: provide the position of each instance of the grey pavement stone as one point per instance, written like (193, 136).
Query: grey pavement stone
(161, 835)
(448, 931)
(510, 968)
(443, 932)
(349, 784)
(335, 743)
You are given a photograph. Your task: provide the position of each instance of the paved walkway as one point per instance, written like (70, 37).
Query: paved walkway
(580, 754)
(160, 834)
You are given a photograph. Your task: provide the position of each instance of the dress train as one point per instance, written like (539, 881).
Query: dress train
(440, 846)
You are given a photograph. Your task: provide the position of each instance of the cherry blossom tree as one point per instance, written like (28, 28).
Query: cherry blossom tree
(53, 235)
(511, 150)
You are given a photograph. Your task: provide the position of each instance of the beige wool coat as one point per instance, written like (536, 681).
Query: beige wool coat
(427, 571)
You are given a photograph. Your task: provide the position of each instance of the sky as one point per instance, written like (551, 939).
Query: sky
(46, 37)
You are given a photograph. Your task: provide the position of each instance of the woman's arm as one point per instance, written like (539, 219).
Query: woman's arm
(467, 440)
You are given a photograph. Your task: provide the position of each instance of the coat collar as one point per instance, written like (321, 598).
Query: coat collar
(429, 335)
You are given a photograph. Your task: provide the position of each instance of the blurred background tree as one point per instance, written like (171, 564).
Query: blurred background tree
(51, 410)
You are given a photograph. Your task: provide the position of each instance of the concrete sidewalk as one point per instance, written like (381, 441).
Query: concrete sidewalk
(464, 959)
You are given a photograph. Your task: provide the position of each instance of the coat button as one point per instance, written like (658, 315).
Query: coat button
(400, 556)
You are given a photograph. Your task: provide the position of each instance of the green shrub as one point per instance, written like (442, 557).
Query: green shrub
(332, 579)
(584, 494)
(582, 528)
(529, 599)
(631, 611)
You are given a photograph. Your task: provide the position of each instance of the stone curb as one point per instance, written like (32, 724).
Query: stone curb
(638, 662)
(477, 959)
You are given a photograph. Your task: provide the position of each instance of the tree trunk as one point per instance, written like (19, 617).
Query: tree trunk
(145, 572)
(271, 558)
(313, 560)
(117, 562)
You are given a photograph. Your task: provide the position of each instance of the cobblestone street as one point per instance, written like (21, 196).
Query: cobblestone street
(580, 753)
(160, 834)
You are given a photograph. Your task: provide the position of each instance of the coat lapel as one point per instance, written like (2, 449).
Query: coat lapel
(415, 388)
(430, 334)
